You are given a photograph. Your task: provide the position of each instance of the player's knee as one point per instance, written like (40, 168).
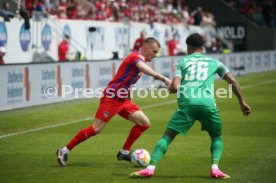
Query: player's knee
(98, 125)
(146, 124)
(97, 130)
(143, 122)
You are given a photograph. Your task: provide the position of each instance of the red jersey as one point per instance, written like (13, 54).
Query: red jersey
(63, 48)
(1, 61)
(172, 44)
(138, 44)
(127, 75)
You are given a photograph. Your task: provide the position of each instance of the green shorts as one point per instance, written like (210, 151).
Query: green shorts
(183, 119)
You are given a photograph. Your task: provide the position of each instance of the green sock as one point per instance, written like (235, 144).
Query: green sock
(216, 149)
(160, 149)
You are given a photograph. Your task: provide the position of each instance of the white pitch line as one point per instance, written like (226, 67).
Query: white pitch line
(90, 118)
(259, 84)
(75, 121)
(44, 127)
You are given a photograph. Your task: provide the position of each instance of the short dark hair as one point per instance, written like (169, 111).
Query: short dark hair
(195, 40)
(152, 40)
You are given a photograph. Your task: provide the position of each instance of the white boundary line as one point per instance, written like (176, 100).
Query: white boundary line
(75, 121)
(90, 118)
(259, 84)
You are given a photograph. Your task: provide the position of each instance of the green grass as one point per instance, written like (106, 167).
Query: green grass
(249, 143)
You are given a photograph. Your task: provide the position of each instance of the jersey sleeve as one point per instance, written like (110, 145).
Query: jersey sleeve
(222, 69)
(177, 71)
(138, 58)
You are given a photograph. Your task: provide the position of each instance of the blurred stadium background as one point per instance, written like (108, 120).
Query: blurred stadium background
(240, 33)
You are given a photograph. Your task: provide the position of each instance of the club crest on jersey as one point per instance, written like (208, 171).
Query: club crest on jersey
(142, 57)
(106, 114)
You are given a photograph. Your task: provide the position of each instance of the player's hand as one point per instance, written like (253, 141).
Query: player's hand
(245, 108)
(167, 81)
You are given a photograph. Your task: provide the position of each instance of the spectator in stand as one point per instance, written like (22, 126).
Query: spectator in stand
(257, 16)
(173, 46)
(208, 19)
(197, 14)
(51, 6)
(2, 54)
(39, 6)
(63, 48)
(218, 46)
(139, 41)
(261, 12)
(62, 9)
(25, 15)
(71, 9)
(269, 14)
(186, 15)
(5, 13)
(20, 13)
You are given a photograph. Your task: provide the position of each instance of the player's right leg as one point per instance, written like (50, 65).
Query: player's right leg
(142, 123)
(160, 149)
(216, 151)
(81, 136)
(132, 113)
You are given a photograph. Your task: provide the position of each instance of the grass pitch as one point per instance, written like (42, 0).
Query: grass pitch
(249, 143)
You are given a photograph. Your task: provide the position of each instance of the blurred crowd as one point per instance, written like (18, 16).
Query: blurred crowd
(146, 11)
(262, 12)
(168, 12)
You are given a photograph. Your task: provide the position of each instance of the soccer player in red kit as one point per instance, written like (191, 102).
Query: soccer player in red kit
(139, 42)
(115, 100)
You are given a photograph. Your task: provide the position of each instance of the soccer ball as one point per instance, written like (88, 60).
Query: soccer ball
(140, 158)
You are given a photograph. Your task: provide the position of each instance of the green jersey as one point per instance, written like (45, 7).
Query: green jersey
(197, 72)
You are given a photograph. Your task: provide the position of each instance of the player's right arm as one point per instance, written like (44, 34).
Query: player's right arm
(177, 76)
(237, 91)
(175, 84)
(144, 68)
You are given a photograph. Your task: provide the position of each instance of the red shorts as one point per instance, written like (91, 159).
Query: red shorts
(110, 107)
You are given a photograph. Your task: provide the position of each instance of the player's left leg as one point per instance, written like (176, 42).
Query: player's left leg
(81, 136)
(180, 123)
(142, 123)
(160, 149)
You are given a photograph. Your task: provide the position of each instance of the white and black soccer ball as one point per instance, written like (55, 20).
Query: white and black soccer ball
(140, 158)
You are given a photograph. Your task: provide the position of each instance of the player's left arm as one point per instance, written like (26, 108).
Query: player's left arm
(224, 73)
(237, 91)
(144, 68)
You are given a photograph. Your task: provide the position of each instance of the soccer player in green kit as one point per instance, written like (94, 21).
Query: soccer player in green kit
(195, 74)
